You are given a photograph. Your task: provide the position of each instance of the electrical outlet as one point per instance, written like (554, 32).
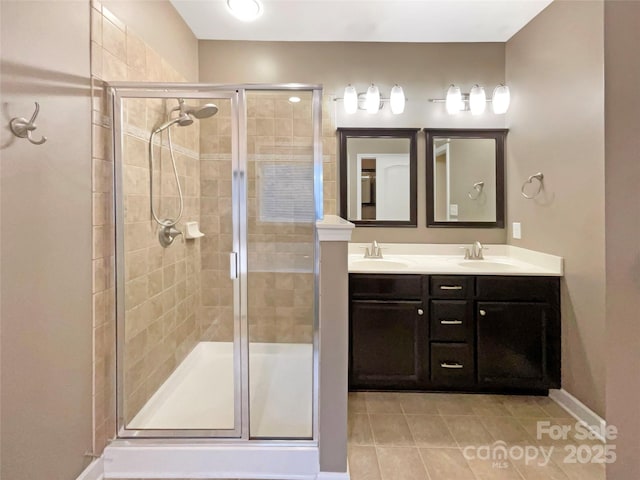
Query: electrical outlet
(453, 210)
(516, 230)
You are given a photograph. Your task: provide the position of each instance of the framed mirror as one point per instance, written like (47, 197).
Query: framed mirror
(378, 176)
(465, 178)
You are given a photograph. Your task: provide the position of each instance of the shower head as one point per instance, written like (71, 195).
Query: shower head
(187, 113)
(205, 111)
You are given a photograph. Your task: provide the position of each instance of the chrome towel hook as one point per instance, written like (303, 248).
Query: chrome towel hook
(22, 128)
(477, 187)
(538, 176)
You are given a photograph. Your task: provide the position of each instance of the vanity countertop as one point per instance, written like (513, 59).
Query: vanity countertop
(448, 259)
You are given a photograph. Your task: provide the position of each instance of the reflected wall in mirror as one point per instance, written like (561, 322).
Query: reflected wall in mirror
(378, 176)
(465, 178)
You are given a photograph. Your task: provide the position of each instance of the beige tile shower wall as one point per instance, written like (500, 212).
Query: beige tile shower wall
(280, 302)
(216, 308)
(162, 287)
(280, 254)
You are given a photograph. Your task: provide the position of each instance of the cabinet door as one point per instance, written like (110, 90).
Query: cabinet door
(386, 342)
(511, 348)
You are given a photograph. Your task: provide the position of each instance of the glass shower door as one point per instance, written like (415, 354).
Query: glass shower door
(281, 243)
(179, 352)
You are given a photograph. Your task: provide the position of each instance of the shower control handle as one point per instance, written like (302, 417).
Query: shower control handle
(233, 265)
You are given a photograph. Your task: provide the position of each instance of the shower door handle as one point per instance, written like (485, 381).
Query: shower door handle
(233, 265)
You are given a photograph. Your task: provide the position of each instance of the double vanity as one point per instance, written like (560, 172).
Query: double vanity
(424, 317)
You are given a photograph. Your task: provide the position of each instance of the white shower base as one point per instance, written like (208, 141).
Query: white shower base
(199, 394)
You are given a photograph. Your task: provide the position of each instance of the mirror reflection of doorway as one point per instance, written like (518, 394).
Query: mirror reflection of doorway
(383, 192)
(368, 189)
(441, 184)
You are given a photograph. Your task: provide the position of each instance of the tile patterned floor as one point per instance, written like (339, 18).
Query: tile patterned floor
(432, 436)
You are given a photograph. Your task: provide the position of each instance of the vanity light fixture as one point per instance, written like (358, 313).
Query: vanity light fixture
(397, 100)
(371, 100)
(501, 99)
(476, 100)
(245, 10)
(350, 99)
(454, 100)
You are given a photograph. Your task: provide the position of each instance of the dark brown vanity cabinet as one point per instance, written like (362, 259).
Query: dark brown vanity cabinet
(518, 332)
(453, 332)
(387, 327)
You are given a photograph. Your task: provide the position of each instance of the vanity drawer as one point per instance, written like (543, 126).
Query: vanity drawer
(451, 363)
(526, 289)
(451, 320)
(385, 287)
(451, 286)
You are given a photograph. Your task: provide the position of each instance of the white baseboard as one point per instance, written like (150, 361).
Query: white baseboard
(95, 471)
(579, 411)
(124, 459)
(333, 476)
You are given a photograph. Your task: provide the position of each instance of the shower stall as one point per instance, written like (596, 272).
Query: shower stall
(217, 191)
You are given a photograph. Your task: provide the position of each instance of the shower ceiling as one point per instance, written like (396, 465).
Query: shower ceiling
(364, 20)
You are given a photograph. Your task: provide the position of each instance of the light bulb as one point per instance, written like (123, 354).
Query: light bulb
(372, 101)
(350, 99)
(245, 10)
(454, 100)
(397, 100)
(477, 100)
(501, 99)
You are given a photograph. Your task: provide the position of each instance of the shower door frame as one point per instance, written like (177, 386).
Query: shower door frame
(117, 91)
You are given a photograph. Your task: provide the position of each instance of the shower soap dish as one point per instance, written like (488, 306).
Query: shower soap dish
(192, 230)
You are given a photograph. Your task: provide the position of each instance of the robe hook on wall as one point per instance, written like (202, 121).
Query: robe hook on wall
(22, 128)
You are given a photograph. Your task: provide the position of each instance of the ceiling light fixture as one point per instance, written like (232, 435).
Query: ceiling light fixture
(371, 100)
(476, 100)
(294, 99)
(245, 10)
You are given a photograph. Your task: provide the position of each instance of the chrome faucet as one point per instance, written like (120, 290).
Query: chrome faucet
(474, 252)
(374, 251)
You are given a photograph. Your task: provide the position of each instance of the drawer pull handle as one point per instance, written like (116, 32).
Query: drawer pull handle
(450, 287)
(420, 311)
(483, 313)
(451, 365)
(450, 322)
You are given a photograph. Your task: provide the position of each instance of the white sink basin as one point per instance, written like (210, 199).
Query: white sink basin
(487, 265)
(379, 264)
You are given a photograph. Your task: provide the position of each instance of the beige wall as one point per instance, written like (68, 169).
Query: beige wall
(46, 242)
(473, 160)
(622, 144)
(554, 67)
(424, 70)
